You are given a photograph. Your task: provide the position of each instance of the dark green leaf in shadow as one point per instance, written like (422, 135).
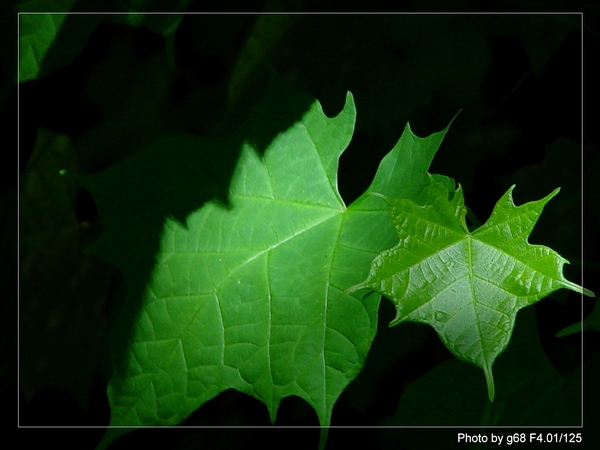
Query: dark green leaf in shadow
(590, 323)
(37, 32)
(51, 35)
(63, 292)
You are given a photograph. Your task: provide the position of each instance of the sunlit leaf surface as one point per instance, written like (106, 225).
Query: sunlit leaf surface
(247, 295)
(468, 286)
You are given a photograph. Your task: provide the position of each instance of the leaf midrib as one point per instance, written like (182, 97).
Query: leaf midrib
(472, 275)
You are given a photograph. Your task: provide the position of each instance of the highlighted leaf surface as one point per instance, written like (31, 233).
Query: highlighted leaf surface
(247, 295)
(468, 286)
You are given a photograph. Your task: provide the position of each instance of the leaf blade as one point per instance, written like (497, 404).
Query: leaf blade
(249, 296)
(467, 286)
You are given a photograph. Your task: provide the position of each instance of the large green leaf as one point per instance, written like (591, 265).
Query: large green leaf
(246, 295)
(468, 286)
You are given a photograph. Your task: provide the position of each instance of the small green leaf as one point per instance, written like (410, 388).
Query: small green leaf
(468, 286)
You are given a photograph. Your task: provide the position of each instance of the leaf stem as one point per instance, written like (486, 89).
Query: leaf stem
(323, 437)
(489, 378)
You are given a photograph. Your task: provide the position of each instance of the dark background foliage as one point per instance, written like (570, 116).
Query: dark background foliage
(517, 80)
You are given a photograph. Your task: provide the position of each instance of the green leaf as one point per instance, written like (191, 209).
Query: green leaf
(62, 291)
(468, 286)
(246, 295)
(37, 32)
(164, 24)
(50, 37)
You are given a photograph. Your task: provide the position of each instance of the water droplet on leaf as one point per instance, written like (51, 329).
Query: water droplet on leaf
(441, 316)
